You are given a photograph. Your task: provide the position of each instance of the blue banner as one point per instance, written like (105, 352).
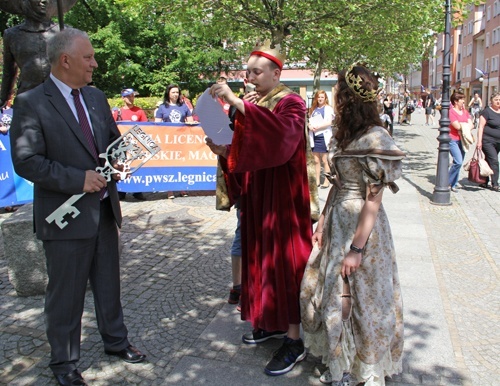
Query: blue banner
(185, 163)
(14, 190)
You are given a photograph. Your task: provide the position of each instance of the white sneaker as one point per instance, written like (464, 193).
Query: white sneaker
(327, 379)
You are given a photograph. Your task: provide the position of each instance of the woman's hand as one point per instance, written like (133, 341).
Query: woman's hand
(350, 263)
(318, 238)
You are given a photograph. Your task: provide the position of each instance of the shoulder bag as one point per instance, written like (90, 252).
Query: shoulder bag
(474, 171)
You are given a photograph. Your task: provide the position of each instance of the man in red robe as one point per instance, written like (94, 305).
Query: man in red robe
(269, 149)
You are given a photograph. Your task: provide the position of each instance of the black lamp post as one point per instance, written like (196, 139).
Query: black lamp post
(441, 194)
(60, 14)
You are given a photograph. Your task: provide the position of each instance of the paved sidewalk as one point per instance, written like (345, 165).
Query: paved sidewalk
(176, 276)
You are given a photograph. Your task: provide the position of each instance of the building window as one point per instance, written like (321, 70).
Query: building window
(494, 63)
(488, 13)
(459, 57)
(458, 75)
(487, 40)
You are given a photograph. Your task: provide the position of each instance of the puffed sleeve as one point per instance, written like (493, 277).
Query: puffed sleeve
(379, 173)
(382, 164)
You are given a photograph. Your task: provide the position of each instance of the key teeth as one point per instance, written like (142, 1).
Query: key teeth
(61, 224)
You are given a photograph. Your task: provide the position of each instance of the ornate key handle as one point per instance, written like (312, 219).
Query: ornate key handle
(124, 156)
(127, 154)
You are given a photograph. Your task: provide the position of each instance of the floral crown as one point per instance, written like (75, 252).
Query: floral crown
(355, 84)
(273, 54)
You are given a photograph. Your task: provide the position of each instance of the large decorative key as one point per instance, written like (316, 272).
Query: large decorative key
(124, 156)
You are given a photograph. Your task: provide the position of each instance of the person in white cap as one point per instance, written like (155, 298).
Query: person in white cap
(130, 112)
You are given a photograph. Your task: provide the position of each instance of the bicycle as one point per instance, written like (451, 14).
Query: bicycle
(475, 122)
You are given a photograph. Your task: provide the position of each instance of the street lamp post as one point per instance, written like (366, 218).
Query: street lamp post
(481, 79)
(441, 194)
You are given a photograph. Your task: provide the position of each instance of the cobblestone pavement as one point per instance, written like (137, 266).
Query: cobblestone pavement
(176, 276)
(465, 250)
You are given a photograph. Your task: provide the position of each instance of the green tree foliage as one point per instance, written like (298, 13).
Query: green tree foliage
(148, 44)
(331, 35)
(143, 44)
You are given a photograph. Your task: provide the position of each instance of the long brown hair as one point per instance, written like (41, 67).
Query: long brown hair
(353, 115)
(315, 101)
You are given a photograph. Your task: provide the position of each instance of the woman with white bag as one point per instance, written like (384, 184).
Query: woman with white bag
(488, 138)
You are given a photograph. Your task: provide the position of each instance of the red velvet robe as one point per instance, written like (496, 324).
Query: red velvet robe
(268, 148)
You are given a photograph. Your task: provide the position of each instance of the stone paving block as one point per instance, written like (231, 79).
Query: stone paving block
(176, 275)
(25, 255)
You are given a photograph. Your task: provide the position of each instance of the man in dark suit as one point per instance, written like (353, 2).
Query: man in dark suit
(56, 134)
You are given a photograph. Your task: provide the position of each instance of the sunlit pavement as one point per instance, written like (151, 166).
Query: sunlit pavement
(176, 276)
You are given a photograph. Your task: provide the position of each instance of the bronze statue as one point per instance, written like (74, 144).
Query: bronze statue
(25, 44)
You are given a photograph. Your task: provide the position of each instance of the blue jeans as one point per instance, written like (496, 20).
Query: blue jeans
(457, 153)
(236, 246)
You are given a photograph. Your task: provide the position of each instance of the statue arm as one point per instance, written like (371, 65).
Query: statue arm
(9, 71)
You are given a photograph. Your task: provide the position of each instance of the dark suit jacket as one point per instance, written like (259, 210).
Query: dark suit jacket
(49, 149)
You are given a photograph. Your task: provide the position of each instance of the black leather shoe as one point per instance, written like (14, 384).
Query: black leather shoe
(69, 379)
(139, 196)
(129, 354)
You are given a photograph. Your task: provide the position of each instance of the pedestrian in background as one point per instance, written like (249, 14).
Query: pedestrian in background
(429, 108)
(269, 148)
(389, 111)
(407, 109)
(58, 130)
(130, 112)
(173, 110)
(458, 116)
(320, 133)
(357, 322)
(475, 105)
(488, 138)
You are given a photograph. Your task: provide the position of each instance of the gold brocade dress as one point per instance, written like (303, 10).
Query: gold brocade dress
(368, 341)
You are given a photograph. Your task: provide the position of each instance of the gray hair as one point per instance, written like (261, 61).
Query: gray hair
(62, 42)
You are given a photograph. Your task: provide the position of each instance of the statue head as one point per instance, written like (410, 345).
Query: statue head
(39, 10)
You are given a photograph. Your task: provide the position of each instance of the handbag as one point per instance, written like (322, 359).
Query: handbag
(484, 168)
(474, 171)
